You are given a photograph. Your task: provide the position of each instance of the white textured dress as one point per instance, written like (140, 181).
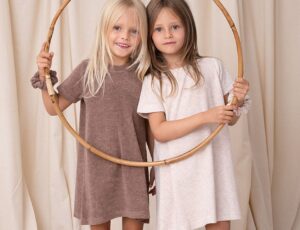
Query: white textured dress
(201, 189)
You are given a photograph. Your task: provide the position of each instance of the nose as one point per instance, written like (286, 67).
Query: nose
(168, 33)
(125, 35)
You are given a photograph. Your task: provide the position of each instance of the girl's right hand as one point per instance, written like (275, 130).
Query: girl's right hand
(44, 60)
(221, 114)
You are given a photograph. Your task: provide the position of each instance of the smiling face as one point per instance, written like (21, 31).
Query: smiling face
(124, 37)
(168, 36)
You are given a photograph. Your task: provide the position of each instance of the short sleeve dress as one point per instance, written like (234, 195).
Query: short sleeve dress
(109, 122)
(200, 189)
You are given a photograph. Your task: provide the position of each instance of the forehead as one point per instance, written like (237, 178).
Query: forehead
(128, 17)
(167, 15)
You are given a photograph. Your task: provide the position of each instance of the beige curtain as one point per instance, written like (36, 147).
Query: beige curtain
(38, 156)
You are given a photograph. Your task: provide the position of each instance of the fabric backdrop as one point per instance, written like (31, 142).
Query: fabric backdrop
(38, 156)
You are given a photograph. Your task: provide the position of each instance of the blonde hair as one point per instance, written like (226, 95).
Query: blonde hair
(101, 56)
(189, 51)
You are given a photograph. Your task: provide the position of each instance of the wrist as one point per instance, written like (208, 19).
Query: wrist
(243, 107)
(39, 81)
(240, 103)
(42, 77)
(204, 118)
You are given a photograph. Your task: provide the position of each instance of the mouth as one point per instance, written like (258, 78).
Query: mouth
(122, 45)
(169, 43)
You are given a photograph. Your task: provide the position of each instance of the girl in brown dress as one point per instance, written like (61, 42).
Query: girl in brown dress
(108, 87)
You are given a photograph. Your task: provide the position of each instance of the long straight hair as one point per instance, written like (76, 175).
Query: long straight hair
(189, 51)
(101, 56)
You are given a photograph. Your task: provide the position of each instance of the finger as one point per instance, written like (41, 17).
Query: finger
(227, 120)
(42, 57)
(44, 62)
(241, 86)
(228, 116)
(230, 107)
(242, 81)
(229, 113)
(45, 58)
(241, 89)
(151, 183)
(240, 92)
(44, 65)
(44, 54)
(152, 191)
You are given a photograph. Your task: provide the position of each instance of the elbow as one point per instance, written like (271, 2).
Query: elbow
(162, 134)
(158, 136)
(51, 112)
(162, 140)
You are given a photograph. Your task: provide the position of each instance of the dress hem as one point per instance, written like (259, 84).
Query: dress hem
(100, 220)
(201, 224)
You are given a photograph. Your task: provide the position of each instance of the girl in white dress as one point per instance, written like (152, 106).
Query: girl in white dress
(185, 97)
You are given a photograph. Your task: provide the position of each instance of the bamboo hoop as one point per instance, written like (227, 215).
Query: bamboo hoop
(116, 160)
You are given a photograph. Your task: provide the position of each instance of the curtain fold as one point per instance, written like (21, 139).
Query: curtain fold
(16, 210)
(286, 182)
(258, 45)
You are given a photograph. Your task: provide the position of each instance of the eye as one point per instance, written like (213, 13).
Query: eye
(134, 31)
(175, 27)
(117, 28)
(158, 29)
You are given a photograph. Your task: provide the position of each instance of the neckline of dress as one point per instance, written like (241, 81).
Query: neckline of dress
(118, 68)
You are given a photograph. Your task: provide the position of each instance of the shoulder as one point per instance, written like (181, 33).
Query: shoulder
(150, 83)
(148, 78)
(83, 64)
(78, 72)
(211, 62)
(211, 65)
(80, 68)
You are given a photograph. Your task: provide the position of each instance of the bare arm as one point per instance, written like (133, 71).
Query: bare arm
(44, 60)
(63, 103)
(169, 130)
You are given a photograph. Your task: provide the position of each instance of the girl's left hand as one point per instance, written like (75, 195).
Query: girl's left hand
(240, 90)
(152, 187)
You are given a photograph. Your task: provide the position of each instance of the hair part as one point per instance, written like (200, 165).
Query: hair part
(101, 57)
(189, 51)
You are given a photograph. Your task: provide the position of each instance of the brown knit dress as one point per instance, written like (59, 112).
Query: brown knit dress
(110, 123)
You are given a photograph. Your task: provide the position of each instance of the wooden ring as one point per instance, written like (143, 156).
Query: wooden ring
(116, 160)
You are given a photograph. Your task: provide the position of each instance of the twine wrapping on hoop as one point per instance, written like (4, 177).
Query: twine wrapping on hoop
(106, 156)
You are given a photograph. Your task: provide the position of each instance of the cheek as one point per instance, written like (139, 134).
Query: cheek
(137, 41)
(182, 38)
(155, 39)
(111, 36)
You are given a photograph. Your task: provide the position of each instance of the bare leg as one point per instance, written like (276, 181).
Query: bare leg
(131, 224)
(105, 226)
(222, 225)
